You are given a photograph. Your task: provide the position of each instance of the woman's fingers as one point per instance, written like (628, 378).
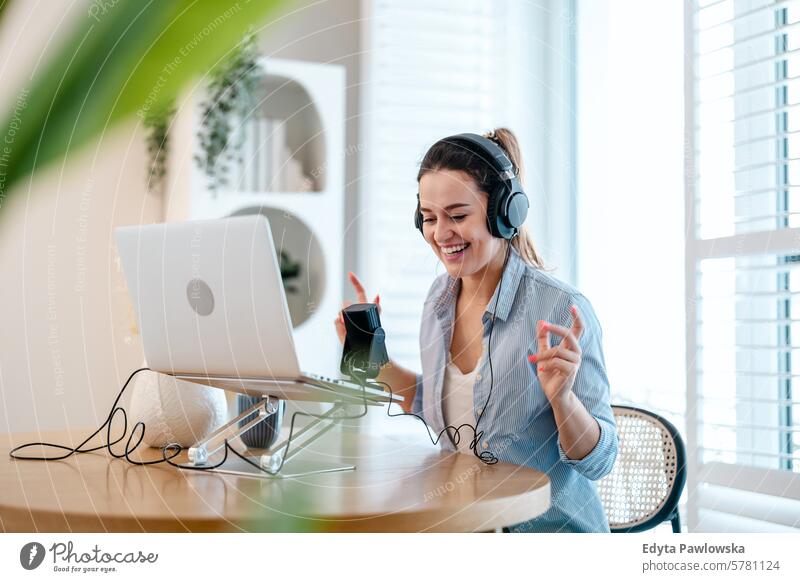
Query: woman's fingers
(338, 323)
(569, 337)
(568, 350)
(360, 293)
(345, 305)
(558, 365)
(542, 337)
(559, 351)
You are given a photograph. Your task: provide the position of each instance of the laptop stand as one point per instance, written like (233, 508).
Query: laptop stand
(274, 462)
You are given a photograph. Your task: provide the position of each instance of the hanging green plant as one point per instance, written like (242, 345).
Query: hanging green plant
(156, 125)
(231, 96)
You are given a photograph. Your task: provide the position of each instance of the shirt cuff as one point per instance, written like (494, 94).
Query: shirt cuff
(600, 460)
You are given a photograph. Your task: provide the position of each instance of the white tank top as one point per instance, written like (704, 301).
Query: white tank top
(457, 402)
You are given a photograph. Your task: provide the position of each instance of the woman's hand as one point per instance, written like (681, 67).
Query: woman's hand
(558, 366)
(362, 298)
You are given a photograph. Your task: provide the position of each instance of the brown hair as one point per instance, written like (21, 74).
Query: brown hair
(447, 156)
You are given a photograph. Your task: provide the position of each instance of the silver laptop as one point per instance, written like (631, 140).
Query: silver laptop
(211, 309)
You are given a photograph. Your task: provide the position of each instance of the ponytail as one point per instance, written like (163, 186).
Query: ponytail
(523, 242)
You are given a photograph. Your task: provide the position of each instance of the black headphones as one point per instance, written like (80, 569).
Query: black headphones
(508, 203)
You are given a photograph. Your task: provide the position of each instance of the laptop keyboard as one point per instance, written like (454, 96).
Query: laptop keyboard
(338, 381)
(373, 389)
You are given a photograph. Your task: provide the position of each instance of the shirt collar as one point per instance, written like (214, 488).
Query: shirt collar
(512, 275)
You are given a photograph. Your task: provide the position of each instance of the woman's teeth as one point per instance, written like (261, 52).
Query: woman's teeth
(455, 249)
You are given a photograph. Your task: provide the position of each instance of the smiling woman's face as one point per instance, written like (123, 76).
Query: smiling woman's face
(454, 222)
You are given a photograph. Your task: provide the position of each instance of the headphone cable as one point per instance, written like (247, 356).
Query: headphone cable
(487, 456)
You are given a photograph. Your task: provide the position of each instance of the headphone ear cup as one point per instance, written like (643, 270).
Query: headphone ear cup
(418, 219)
(517, 209)
(508, 212)
(493, 207)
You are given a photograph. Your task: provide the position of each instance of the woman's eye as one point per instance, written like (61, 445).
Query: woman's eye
(458, 218)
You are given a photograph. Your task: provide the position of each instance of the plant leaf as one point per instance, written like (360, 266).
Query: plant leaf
(124, 57)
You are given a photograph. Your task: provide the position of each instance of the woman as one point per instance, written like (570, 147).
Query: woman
(532, 401)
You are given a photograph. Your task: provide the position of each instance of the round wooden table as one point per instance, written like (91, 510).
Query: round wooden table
(399, 485)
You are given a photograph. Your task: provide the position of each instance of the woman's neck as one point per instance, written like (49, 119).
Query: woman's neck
(480, 285)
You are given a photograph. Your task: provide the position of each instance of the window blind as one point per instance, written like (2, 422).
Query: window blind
(743, 264)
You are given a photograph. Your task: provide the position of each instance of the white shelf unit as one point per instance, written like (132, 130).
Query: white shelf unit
(309, 98)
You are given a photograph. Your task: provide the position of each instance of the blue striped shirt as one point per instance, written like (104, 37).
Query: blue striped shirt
(518, 423)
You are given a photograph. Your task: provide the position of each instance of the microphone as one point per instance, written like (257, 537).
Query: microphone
(365, 343)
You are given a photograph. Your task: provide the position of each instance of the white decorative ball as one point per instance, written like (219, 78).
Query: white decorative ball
(175, 411)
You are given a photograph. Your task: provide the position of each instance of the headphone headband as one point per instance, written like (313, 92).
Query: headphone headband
(487, 150)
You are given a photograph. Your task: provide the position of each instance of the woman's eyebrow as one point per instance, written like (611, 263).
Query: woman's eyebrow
(447, 208)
